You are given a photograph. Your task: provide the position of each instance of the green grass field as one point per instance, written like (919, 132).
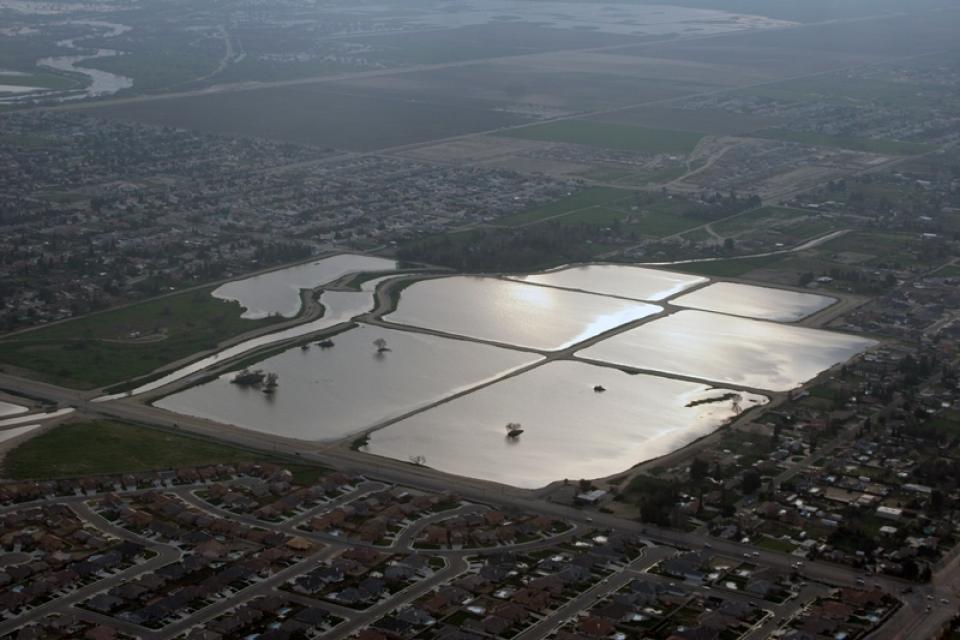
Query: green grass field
(764, 216)
(611, 135)
(26, 141)
(96, 350)
(841, 89)
(105, 447)
(949, 271)
(312, 114)
(589, 197)
(604, 206)
(884, 247)
(44, 80)
(811, 228)
(729, 268)
(86, 448)
(853, 143)
(653, 222)
(634, 177)
(774, 544)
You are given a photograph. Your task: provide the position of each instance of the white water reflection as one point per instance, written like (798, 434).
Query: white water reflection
(513, 313)
(762, 303)
(620, 280)
(731, 350)
(33, 417)
(10, 409)
(329, 393)
(9, 434)
(569, 430)
(278, 292)
(16, 88)
(101, 83)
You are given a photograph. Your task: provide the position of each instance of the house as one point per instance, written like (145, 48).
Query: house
(595, 627)
(591, 498)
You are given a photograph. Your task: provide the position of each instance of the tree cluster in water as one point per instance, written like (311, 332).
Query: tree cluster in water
(256, 378)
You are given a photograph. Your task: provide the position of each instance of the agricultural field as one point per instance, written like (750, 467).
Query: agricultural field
(603, 207)
(845, 89)
(880, 249)
(853, 143)
(949, 271)
(314, 114)
(481, 42)
(107, 347)
(520, 86)
(647, 220)
(611, 136)
(765, 217)
(727, 268)
(585, 199)
(705, 121)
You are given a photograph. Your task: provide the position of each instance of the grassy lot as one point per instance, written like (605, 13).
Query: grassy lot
(729, 268)
(96, 350)
(949, 271)
(811, 228)
(697, 235)
(604, 207)
(611, 135)
(99, 447)
(874, 193)
(853, 143)
(44, 80)
(656, 221)
(106, 447)
(634, 177)
(841, 89)
(701, 120)
(25, 140)
(765, 216)
(886, 248)
(589, 197)
(773, 544)
(947, 424)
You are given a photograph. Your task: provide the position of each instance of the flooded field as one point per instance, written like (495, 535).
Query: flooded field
(568, 428)
(279, 291)
(623, 281)
(575, 419)
(730, 350)
(326, 394)
(97, 83)
(512, 312)
(762, 303)
(339, 307)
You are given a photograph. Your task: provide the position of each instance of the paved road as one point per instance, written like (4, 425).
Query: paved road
(556, 619)
(165, 555)
(455, 567)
